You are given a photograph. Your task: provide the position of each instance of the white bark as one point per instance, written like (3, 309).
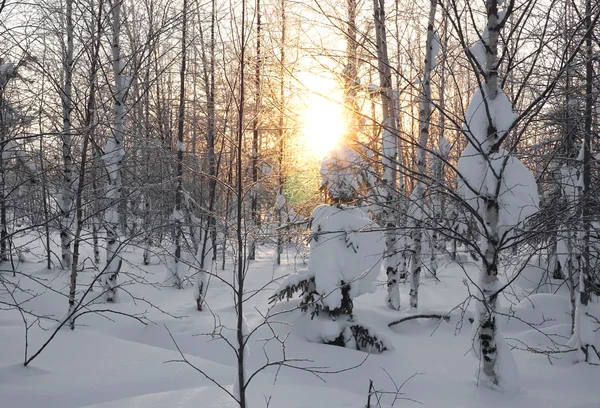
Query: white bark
(254, 211)
(66, 195)
(113, 160)
(488, 282)
(392, 258)
(584, 327)
(420, 188)
(175, 277)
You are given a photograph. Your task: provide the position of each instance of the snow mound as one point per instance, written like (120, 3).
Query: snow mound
(538, 311)
(518, 197)
(341, 171)
(346, 246)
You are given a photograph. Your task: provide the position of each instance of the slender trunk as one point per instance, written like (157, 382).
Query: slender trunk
(95, 187)
(82, 167)
(66, 197)
(281, 178)
(226, 222)
(420, 188)
(147, 156)
(209, 84)
(176, 278)
(240, 275)
(78, 228)
(45, 193)
(4, 240)
(350, 74)
(438, 176)
(583, 336)
(255, 135)
(489, 277)
(5, 144)
(113, 159)
(45, 198)
(390, 134)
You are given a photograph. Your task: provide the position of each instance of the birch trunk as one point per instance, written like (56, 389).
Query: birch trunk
(420, 188)
(254, 213)
(583, 330)
(66, 196)
(89, 113)
(241, 329)
(210, 232)
(113, 161)
(488, 282)
(175, 279)
(392, 258)
(280, 197)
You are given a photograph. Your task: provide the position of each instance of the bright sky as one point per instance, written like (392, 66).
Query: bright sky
(322, 123)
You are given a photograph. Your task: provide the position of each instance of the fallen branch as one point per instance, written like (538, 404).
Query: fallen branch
(421, 316)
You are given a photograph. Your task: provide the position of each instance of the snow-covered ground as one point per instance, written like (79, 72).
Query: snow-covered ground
(112, 361)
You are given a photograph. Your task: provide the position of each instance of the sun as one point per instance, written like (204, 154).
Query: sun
(323, 125)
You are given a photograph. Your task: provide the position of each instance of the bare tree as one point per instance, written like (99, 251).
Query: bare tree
(113, 159)
(419, 194)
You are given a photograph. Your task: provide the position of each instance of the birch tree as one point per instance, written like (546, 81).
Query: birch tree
(280, 200)
(113, 160)
(419, 207)
(392, 257)
(81, 180)
(254, 211)
(66, 196)
(498, 190)
(175, 277)
(584, 326)
(208, 71)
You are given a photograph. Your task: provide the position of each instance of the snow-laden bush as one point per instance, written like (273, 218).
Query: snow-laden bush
(346, 250)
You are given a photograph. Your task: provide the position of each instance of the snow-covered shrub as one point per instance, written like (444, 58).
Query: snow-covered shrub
(343, 173)
(346, 250)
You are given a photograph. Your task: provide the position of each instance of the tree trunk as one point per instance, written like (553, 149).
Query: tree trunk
(583, 333)
(113, 159)
(66, 196)
(241, 328)
(209, 84)
(255, 215)
(420, 188)
(281, 178)
(488, 281)
(393, 252)
(179, 236)
(89, 113)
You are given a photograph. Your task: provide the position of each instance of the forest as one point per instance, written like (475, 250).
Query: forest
(294, 204)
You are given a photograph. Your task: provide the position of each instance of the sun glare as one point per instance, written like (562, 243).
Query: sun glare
(323, 125)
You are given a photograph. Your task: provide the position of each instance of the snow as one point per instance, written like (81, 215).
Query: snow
(9, 150)
(341, 171)
(478, 49)
(500, 110)
(481, 169)
(346, 246)
(113, 154)
(444, 147)
(111, 215)
(435, 48)
(121, 363)
(7, 69)
(293, 280)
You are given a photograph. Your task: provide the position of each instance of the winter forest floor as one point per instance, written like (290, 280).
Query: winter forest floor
(112, 361)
